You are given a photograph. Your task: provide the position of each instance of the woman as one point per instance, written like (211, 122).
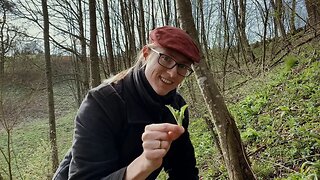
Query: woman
(123, 129)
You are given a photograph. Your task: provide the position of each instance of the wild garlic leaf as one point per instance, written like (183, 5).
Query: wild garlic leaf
(181, 113)
(178, 114)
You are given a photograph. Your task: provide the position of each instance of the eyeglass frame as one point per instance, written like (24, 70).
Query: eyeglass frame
(189, 69)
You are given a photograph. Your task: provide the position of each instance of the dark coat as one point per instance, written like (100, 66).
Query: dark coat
(108, 129)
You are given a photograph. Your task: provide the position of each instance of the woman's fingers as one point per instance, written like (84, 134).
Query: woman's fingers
(156, 144)
(157, 139)
(172, 131)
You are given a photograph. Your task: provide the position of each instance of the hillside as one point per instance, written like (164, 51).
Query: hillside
(278, 115)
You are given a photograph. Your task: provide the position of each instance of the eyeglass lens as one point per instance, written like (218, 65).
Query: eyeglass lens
(169, 63)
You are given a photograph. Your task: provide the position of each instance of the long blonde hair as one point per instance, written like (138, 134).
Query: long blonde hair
(140, 62)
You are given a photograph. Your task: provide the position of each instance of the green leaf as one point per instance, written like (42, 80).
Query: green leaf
(173, 111)
(181, 114)
(178, 114)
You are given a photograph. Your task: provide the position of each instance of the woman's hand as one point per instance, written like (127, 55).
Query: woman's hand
(157, 139)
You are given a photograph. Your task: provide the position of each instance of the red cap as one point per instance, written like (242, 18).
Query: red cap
(175, 39)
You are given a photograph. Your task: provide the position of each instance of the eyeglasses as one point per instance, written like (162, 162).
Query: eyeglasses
(169, 63)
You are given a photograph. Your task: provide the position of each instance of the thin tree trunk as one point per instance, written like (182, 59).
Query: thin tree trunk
(278, 9)
(52, 122)
(9, 150)
(293, 17)
(84, 69)
(108, 36)
(77, 74)
(95, 70)
(142, 26)
(126, 26)
(203, 32)
(226, 42)
(234, 155)
(2, 42)
(265, 26)
(166, 11)
(132, 39)
(176, 20)
(153, 15)
(240, 18)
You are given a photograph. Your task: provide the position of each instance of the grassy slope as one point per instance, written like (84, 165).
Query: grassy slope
(279, 122)
(278, 119)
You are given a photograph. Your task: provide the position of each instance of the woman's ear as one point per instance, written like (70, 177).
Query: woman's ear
(145, 52)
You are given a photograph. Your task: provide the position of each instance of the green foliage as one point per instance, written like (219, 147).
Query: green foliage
(308, 171)
(263, 169)
(208, 160)
(290, 62)
(283, 117)
(31, 148)
(249, 135)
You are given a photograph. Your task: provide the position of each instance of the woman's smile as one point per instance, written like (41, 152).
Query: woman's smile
(166, 81)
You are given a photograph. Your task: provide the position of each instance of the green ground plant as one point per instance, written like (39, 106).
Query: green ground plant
(276, 122)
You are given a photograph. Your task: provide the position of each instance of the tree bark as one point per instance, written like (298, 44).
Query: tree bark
(127, 35)
(293, 17)
(84, 72)
(52, 121)
(278, 11)
(313, 9)
(132, 39)
(112, 68)
(233, 151)
(94, 70)
(142, 26)
(240, 18)
(2, 41)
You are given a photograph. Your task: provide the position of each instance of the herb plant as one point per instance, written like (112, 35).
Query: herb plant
(178, 114)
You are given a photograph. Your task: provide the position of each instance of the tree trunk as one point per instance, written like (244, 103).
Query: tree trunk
(176, 20)
(132, 39)
(95, 70)
(84, 69)
(2, 41)
(153, 15)
(142, 26)
(127, 34)
(52, 122)
(234, 155)
(293, 17)
(278, 13)
(203, 32)
(112, 68)
(226, 42)
(313, 9)
(240, 18)
(166, 11)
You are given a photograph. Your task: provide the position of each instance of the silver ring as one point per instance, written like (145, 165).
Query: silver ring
(160, 144)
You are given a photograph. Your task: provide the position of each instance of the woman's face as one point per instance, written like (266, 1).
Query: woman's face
(163, 80)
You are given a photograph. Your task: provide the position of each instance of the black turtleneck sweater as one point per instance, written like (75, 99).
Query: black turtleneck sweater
(108, 129)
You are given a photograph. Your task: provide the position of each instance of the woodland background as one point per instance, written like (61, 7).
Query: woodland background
(256, 105)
